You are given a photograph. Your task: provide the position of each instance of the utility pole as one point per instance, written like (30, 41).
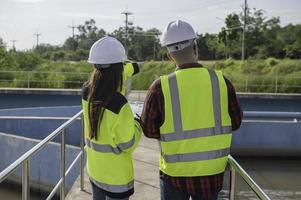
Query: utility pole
(154, 50)
(243, 49)
(14, 42)
(154, 47)
(73, 35)
(73, 28)
(126, 14)
(37, 35)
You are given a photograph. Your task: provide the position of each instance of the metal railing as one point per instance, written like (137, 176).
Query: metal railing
(25, 161)
(280, 117)
(273, 84)
(235, 168)
(40, 79)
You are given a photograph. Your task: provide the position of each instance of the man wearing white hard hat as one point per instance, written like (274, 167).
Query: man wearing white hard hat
(192, 113)
(111, 132)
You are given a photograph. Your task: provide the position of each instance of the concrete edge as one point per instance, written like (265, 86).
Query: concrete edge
(136, 92)
(36, 140)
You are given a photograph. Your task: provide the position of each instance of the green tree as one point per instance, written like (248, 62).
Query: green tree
(88, 34)
(45, 51)
(27, 60)
(7, 60)
(71, 44)
(59, 55)
(141, 45)
(291, 37)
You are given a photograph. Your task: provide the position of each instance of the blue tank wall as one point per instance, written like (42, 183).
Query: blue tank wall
(253, 138)
(270, 104)
(58, 111)
(37, 100)
(248, 102)
(41, 128)
(267, 139)
(44, 173)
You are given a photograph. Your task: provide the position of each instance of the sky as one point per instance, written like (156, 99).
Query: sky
(21, 19)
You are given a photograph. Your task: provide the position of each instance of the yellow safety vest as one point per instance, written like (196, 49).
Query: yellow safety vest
(196, 133)
(128, 72)
(109, 158)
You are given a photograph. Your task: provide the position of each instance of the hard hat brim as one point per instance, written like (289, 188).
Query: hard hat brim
(101, 66)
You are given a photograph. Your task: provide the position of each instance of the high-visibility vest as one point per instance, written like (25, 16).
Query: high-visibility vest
(109, 158)
(129, 69)
(196, 134)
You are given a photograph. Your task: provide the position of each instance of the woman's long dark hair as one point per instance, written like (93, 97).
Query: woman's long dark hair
(103, 83)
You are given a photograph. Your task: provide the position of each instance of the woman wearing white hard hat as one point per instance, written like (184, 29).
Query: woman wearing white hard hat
(111, 132)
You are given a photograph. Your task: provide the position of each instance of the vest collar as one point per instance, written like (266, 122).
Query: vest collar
(188, 65)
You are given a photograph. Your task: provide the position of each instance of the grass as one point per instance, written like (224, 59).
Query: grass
(270, 75)
(250, 76)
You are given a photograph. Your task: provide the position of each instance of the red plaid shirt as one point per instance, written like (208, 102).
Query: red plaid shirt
(152, 119)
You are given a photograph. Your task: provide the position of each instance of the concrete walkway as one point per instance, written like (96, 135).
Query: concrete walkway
(146, 158)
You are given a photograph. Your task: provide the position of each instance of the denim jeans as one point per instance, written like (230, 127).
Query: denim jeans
(99, 194)
(168, 192)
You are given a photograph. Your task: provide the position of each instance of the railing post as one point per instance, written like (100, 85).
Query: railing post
(276, 84)
(232, 183)
(62, 192)
(246, 85)
(25, 181)
(58, 81)
(28, 82)
(82, 157)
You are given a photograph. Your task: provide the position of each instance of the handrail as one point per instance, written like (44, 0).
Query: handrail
(25, 158)
(44, 72)
(35, 117)
(269, 114)
(247, 114)
(235, 167)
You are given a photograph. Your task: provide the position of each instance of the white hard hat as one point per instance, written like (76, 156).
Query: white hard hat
(176, 32)
(106, 51)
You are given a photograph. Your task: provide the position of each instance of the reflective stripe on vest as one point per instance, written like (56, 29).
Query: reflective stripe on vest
(180, 134)
(189, 157)
(107, 148)
(114, 188)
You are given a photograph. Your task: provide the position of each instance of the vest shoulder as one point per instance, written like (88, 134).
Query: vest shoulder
(116, 103)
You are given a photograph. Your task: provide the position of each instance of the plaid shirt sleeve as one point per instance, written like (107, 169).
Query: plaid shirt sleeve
(152, 116)
(234, 108)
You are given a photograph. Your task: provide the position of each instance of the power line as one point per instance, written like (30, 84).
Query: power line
(73, 34)
(245, 8)
(37, 35)
(73, 28)
(14, 42)
(144, 33)
(181, 10)
(126, 14)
